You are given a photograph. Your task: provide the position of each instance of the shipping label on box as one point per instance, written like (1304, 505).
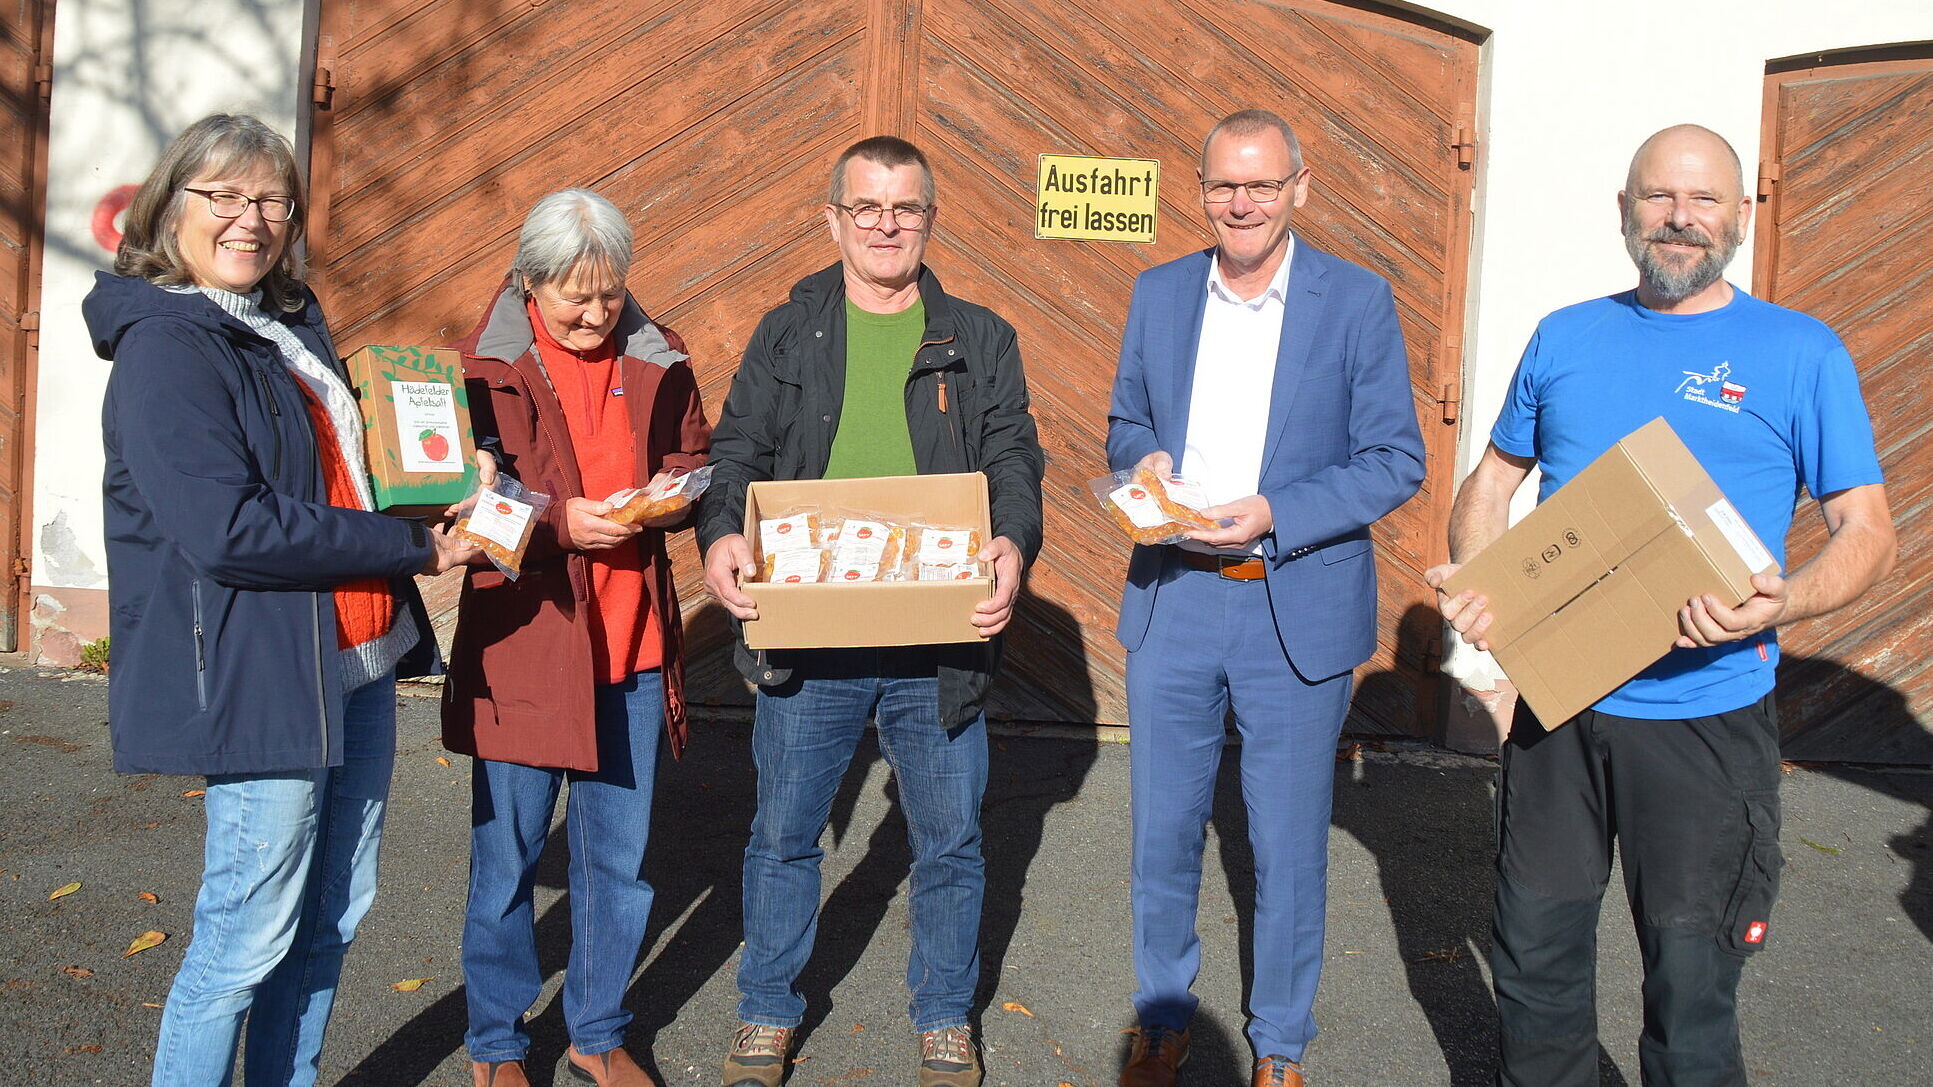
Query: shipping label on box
(870, 613)
(416, 427)
(1584, 592)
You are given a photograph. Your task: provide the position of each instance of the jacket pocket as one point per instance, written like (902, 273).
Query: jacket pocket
(201, 654)
(1748, 913)
(1348, 549)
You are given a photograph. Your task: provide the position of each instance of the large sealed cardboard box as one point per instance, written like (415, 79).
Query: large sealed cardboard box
(416, 427)
(826, 616)
(1585, 590)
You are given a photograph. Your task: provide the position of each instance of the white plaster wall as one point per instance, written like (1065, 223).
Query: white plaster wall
(128, 75)
(1572, 89)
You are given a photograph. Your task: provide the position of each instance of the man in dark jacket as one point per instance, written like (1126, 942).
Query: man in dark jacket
(870, 369)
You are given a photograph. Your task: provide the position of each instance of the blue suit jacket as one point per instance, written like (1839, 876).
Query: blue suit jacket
(1342, 450)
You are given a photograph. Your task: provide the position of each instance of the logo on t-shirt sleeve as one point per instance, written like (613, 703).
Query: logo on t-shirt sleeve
(1699, 388)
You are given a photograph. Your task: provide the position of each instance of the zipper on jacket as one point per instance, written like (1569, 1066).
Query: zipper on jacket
(268, 394)
(201, 658)
(321, 677)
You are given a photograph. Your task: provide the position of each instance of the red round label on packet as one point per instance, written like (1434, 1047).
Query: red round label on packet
(784, 527)
(964, 575)
(1137, 493)
(792, 580)
(945, 542)
(503, 508)
(865, 532)
(852, 575)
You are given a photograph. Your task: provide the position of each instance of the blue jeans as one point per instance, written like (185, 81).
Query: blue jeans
(608, 819)
(802, 741)
(288, 871)
(1212, 645)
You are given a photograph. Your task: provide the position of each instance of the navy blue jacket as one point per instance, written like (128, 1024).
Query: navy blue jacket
(222, 548)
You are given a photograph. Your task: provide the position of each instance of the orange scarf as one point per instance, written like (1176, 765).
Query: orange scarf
(364, 609)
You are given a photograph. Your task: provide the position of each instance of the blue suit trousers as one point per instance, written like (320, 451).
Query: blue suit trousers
(1212, 645)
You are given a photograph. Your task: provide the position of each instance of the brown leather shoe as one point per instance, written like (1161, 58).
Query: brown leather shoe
(498, 1074)
(948, 1058)
(611, 1068)
(1157, 1055)
(757, 1056)
(1277, 1071)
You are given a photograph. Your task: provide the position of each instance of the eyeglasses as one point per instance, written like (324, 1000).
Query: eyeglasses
(233, 205)
(1262, 192)
(868, 216)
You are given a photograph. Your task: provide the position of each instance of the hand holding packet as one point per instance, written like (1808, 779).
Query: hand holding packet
(501, 522)
(1150, 509)
(670, 491)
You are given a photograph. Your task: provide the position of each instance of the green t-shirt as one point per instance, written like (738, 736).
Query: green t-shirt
(872, 439)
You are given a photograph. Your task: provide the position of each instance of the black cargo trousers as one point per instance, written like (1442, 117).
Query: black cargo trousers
(1694, 808)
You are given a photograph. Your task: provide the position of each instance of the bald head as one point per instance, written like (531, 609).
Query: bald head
(1682, 144)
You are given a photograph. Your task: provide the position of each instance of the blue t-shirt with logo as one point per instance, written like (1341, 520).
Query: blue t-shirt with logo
(1765, 397)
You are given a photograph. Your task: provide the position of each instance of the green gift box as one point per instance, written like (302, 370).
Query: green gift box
(416, 427)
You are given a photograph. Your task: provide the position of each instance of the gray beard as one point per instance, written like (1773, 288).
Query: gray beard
(1677, 282)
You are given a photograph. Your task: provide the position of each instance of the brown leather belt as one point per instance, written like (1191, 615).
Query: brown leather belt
(1232, 567)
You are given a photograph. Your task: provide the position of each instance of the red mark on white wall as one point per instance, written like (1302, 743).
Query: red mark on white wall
(107, 216)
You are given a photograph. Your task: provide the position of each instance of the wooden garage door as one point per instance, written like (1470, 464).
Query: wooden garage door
(26, 32)
(1843, 235)
(713, 125)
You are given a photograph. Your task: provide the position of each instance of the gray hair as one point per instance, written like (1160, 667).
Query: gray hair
(222, 144)
(568, 230)
(1249, 122)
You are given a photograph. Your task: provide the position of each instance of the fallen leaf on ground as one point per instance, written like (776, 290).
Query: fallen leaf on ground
(63, 892)
(856, 1028)
(83, 1049)
(1017, 1006)
(410, 985)
(1064, 1083)
(192, 793)
(1820, 848)
(150, 1004)
(144, 941)
(149, 897)
(441, 761)
(77, 971)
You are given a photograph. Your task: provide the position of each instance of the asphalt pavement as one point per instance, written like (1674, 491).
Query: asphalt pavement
(1843, 994)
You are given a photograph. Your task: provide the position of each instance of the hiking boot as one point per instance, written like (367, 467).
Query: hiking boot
(757, 1057)
(948, 1058)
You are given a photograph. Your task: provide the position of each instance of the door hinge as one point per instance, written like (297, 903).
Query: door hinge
(322, 93)
(1450, 399)
(44, 80)
(1465, 146)
(23, 568)
(1768, 176)
(30, 321)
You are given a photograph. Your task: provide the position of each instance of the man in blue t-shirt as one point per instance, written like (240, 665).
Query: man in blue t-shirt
(1681, 764)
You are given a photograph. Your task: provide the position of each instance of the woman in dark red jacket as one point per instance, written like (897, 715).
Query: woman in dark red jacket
(574, 671)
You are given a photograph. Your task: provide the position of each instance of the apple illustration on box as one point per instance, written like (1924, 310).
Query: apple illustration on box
(435, 445)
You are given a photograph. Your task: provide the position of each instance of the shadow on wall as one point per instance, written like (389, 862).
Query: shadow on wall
(135, 56)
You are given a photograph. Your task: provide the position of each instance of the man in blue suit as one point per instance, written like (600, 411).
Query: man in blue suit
(1272, 374)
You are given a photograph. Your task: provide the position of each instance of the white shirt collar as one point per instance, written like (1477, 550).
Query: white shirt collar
(1278, 287)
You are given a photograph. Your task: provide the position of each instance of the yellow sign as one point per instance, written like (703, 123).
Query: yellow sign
(1107, 200)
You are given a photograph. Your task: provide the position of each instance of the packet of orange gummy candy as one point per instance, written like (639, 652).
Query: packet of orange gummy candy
(1150, 509)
